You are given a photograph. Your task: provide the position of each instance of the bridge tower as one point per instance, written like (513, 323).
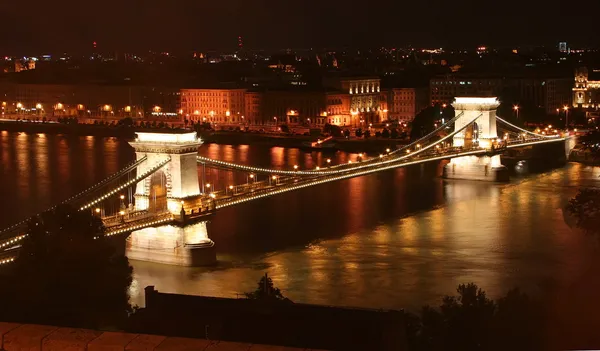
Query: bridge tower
(177, 180)
(163, 193)
(482, 133)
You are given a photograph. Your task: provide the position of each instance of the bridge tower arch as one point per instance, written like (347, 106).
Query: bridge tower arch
(484, 109)
(478, 118)
(178, 179)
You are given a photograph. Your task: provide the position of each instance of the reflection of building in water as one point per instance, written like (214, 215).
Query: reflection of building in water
(586, 92)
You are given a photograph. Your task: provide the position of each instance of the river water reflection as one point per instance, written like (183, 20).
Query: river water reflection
(398, 239)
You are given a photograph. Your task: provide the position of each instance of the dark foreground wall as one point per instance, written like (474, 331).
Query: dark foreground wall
(271, 322)
(33, 337)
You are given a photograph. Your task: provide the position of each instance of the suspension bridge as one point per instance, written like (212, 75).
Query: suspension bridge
(167, 220)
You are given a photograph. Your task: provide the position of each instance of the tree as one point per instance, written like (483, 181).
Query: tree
(472, 321)
(332, 130)
(68, 273)
(266, 291)
(127, 121)
(585, 207)
(358, 133)
(385, 133)
(423, 122)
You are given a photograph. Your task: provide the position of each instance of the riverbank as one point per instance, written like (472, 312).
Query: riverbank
(71, 129)
(372, 145)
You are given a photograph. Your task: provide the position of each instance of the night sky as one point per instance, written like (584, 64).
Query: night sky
(41, 25)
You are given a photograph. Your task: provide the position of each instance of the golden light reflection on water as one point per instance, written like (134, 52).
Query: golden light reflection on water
(393, 240)
(42, 164)
(22, 154)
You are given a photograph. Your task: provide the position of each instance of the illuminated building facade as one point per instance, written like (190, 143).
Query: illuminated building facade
(85, 100)
(337, 111)
(367, 103)
(586, 92)
(213, 105)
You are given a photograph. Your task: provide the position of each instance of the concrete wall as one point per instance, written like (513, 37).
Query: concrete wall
(32, 337)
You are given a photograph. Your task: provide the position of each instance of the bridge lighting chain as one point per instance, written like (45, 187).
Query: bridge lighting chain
(227, 203)
(135, 180)
(140, 226)
(75, 196)
(435, 131)
(7, 260)
(521, 129)
(13, 240)
(318, 172)
(360, 165)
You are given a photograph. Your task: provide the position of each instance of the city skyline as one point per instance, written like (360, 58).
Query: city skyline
(138, 25)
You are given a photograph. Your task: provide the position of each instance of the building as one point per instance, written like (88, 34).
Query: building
(562, 47)
(367, 104)
(75, 100)
(586, 90)
(405, 103)
(444, 89)
(253, 107)
(89, 100)
(549, 93)
(224, 106)
(337, 109)
(298, 105)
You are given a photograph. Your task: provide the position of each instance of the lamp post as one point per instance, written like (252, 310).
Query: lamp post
(516, 108)
(566, 108)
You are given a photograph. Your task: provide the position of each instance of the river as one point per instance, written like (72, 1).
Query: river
(398, 239)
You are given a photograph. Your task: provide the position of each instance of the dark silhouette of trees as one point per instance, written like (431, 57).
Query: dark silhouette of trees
(424, 122)
(67, 273)
(332, 130)
(127, 121)
(472, 321)
(266, 291)
(585, 207)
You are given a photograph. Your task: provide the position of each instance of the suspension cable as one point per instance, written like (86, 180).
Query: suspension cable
(521, 129)
(94, 187)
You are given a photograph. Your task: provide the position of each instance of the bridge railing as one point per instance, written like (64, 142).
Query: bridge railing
(140, 222)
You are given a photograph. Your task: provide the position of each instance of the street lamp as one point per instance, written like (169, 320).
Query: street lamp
(566, 108)
(295, 167)
(328, 162)
(516, 108)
